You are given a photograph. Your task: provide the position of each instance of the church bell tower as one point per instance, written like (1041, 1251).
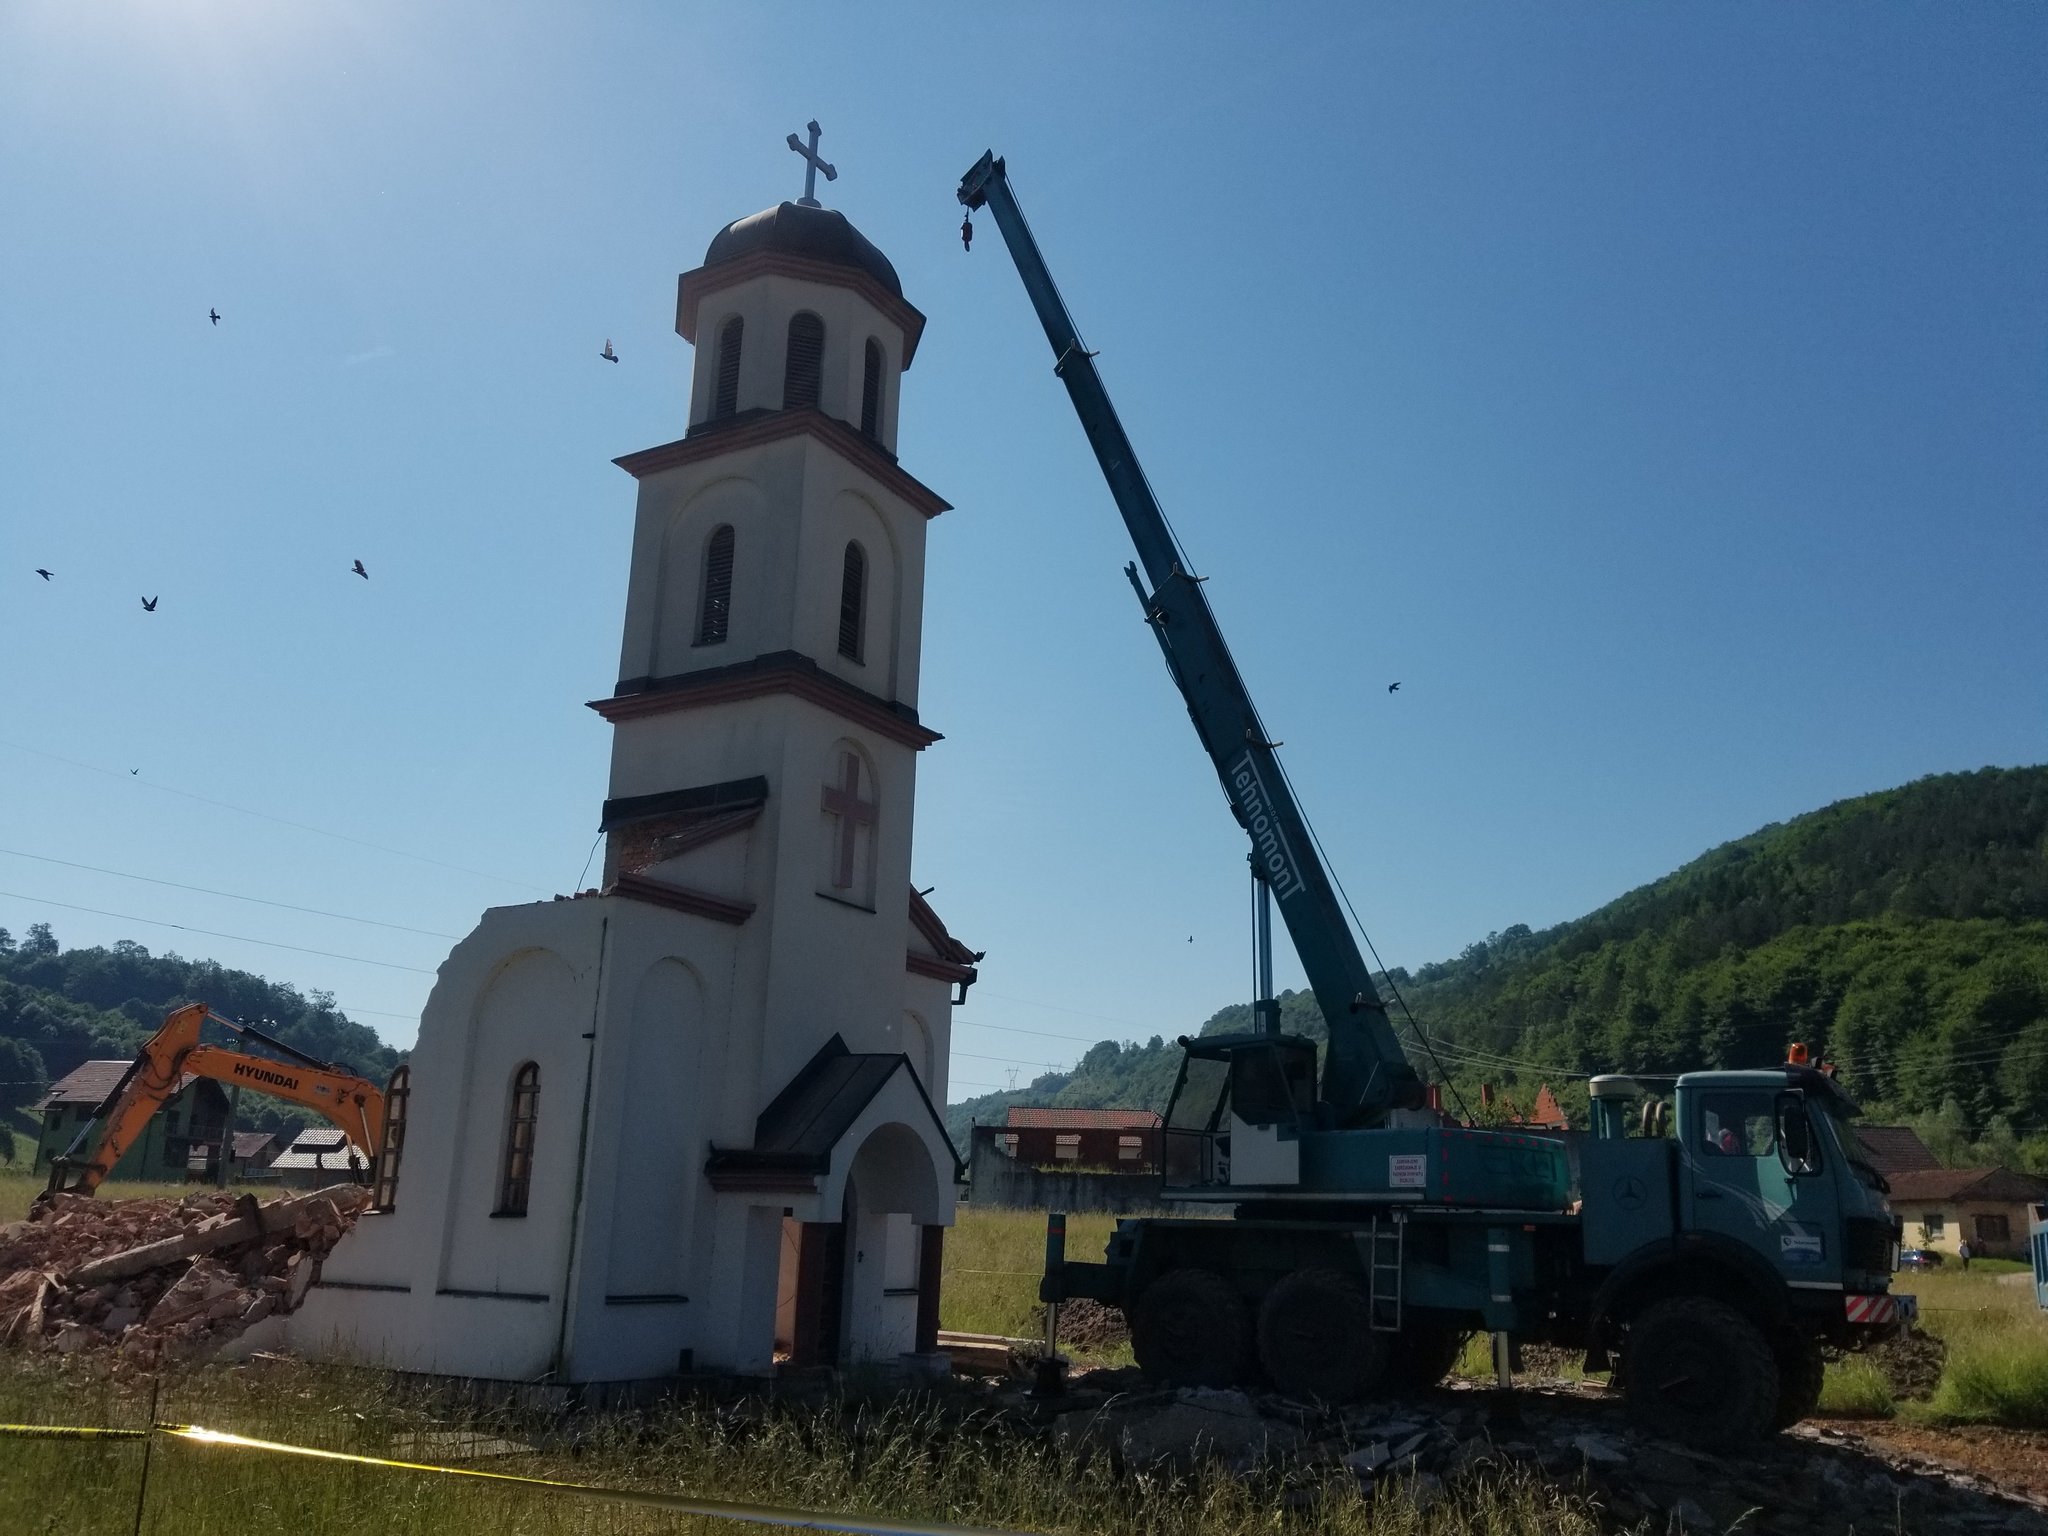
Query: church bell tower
(765, 720)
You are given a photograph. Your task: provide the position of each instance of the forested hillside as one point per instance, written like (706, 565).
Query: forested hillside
(60, 1007)
(1902, 934)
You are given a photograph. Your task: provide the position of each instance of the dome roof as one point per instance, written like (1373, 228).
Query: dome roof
(821, 234)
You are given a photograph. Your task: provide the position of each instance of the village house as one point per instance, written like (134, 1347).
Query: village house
(1987, 1207)
(192, 1122)
(1122, 1140)
(319, 1155)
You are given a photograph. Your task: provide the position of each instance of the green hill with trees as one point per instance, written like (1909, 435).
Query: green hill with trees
(61, 1007)
(1903, 935)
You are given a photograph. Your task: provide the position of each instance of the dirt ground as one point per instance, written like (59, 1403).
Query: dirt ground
(2011, 1458)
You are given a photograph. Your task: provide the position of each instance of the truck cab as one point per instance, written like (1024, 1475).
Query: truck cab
(1749, 1188)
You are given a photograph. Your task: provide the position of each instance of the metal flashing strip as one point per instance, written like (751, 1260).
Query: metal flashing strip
(1815, 1285)
(361, 1285)
(450, 1290)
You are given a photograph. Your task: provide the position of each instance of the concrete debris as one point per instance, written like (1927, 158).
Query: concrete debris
(163, 1280)
(1812, 1479)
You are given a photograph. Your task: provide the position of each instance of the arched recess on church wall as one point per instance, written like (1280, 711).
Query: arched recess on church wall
(734, 502)
(528, 1011)
(847, 856)
(919, 1046)
(850, 518)
(660, 1131)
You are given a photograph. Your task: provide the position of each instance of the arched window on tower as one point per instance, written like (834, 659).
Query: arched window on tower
(853, 603)
(871, 390)
(397, 1099)
(516, 1180)
(804, 366)
(725, 401)
(714, 611)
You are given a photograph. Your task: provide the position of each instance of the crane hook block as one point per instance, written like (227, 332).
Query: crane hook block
(967, 232)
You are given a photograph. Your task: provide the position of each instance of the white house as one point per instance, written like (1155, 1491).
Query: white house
(689, 1119)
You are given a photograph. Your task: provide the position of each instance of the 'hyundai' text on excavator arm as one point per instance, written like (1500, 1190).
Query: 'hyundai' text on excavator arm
(175, 1052)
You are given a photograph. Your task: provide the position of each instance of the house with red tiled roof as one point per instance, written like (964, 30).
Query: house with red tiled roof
(1942, 1208)
(1127, 1140)
(191, 1124)
(1896, 1149)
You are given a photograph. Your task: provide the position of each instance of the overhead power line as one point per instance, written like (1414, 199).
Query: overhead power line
(213, 933)
(282, 821)
(261, 901)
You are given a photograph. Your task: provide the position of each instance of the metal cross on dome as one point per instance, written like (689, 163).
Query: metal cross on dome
(812, 165)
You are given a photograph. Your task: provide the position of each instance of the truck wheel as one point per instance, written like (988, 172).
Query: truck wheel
(1316, 1339)
(1698, 1370)
(1422, 1356)
(1801, 1370)
(1189, 1330)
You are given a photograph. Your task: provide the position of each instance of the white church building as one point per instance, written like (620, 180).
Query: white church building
(689, 1120)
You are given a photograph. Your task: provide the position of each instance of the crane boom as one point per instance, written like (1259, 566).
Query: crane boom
(1366, 1072)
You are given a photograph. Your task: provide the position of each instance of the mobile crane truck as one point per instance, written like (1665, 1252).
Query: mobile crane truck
(1705, 1260)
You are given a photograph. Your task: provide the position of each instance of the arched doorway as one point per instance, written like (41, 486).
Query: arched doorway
(892, 1199)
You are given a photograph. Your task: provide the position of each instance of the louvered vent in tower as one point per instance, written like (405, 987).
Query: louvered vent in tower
(727, 399)
(714, 618)
(805, 364)
(871, 390)
(853, 600)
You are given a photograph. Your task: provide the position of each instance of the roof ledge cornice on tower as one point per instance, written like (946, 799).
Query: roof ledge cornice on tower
(789, 672)
(693, 285)
(709, 439)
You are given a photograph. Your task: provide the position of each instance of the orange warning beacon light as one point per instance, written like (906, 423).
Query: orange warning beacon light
(1796, 1056)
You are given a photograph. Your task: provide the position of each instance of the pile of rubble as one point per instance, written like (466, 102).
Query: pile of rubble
(1811, 1479)
(163, 1280)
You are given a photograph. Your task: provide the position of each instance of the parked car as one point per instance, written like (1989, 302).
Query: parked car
(1921, 1258)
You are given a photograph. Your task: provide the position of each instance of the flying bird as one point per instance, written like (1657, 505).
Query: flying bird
(149, 605)
(133, 771)
(42, 573)
(361, 572)
(608, 354)
(1393, 687)
(213, 315)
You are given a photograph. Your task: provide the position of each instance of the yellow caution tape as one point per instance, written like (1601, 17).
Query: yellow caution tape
(759, 1514)
(68, 1432)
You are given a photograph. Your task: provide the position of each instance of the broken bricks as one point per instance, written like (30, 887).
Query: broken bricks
(168, 1278)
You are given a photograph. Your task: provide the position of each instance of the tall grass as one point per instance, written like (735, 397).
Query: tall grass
(910, 1459)
(994, 1257)
(1997, 1337)
(1855, 1388)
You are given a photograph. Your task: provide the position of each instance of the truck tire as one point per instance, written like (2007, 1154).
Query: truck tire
(1422, 1356)
(1189, 1329)
(1697, 1370)
(1316, 1340)
(1801, 1371)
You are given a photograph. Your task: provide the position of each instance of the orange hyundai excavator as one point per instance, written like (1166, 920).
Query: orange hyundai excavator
(174, 1053)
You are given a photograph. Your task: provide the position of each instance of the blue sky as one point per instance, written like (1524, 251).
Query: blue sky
(1655, 391)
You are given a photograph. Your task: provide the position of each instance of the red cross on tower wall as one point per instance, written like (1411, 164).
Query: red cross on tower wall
(842, 802)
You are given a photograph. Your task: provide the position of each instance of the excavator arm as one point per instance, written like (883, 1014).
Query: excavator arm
(175, 1052)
